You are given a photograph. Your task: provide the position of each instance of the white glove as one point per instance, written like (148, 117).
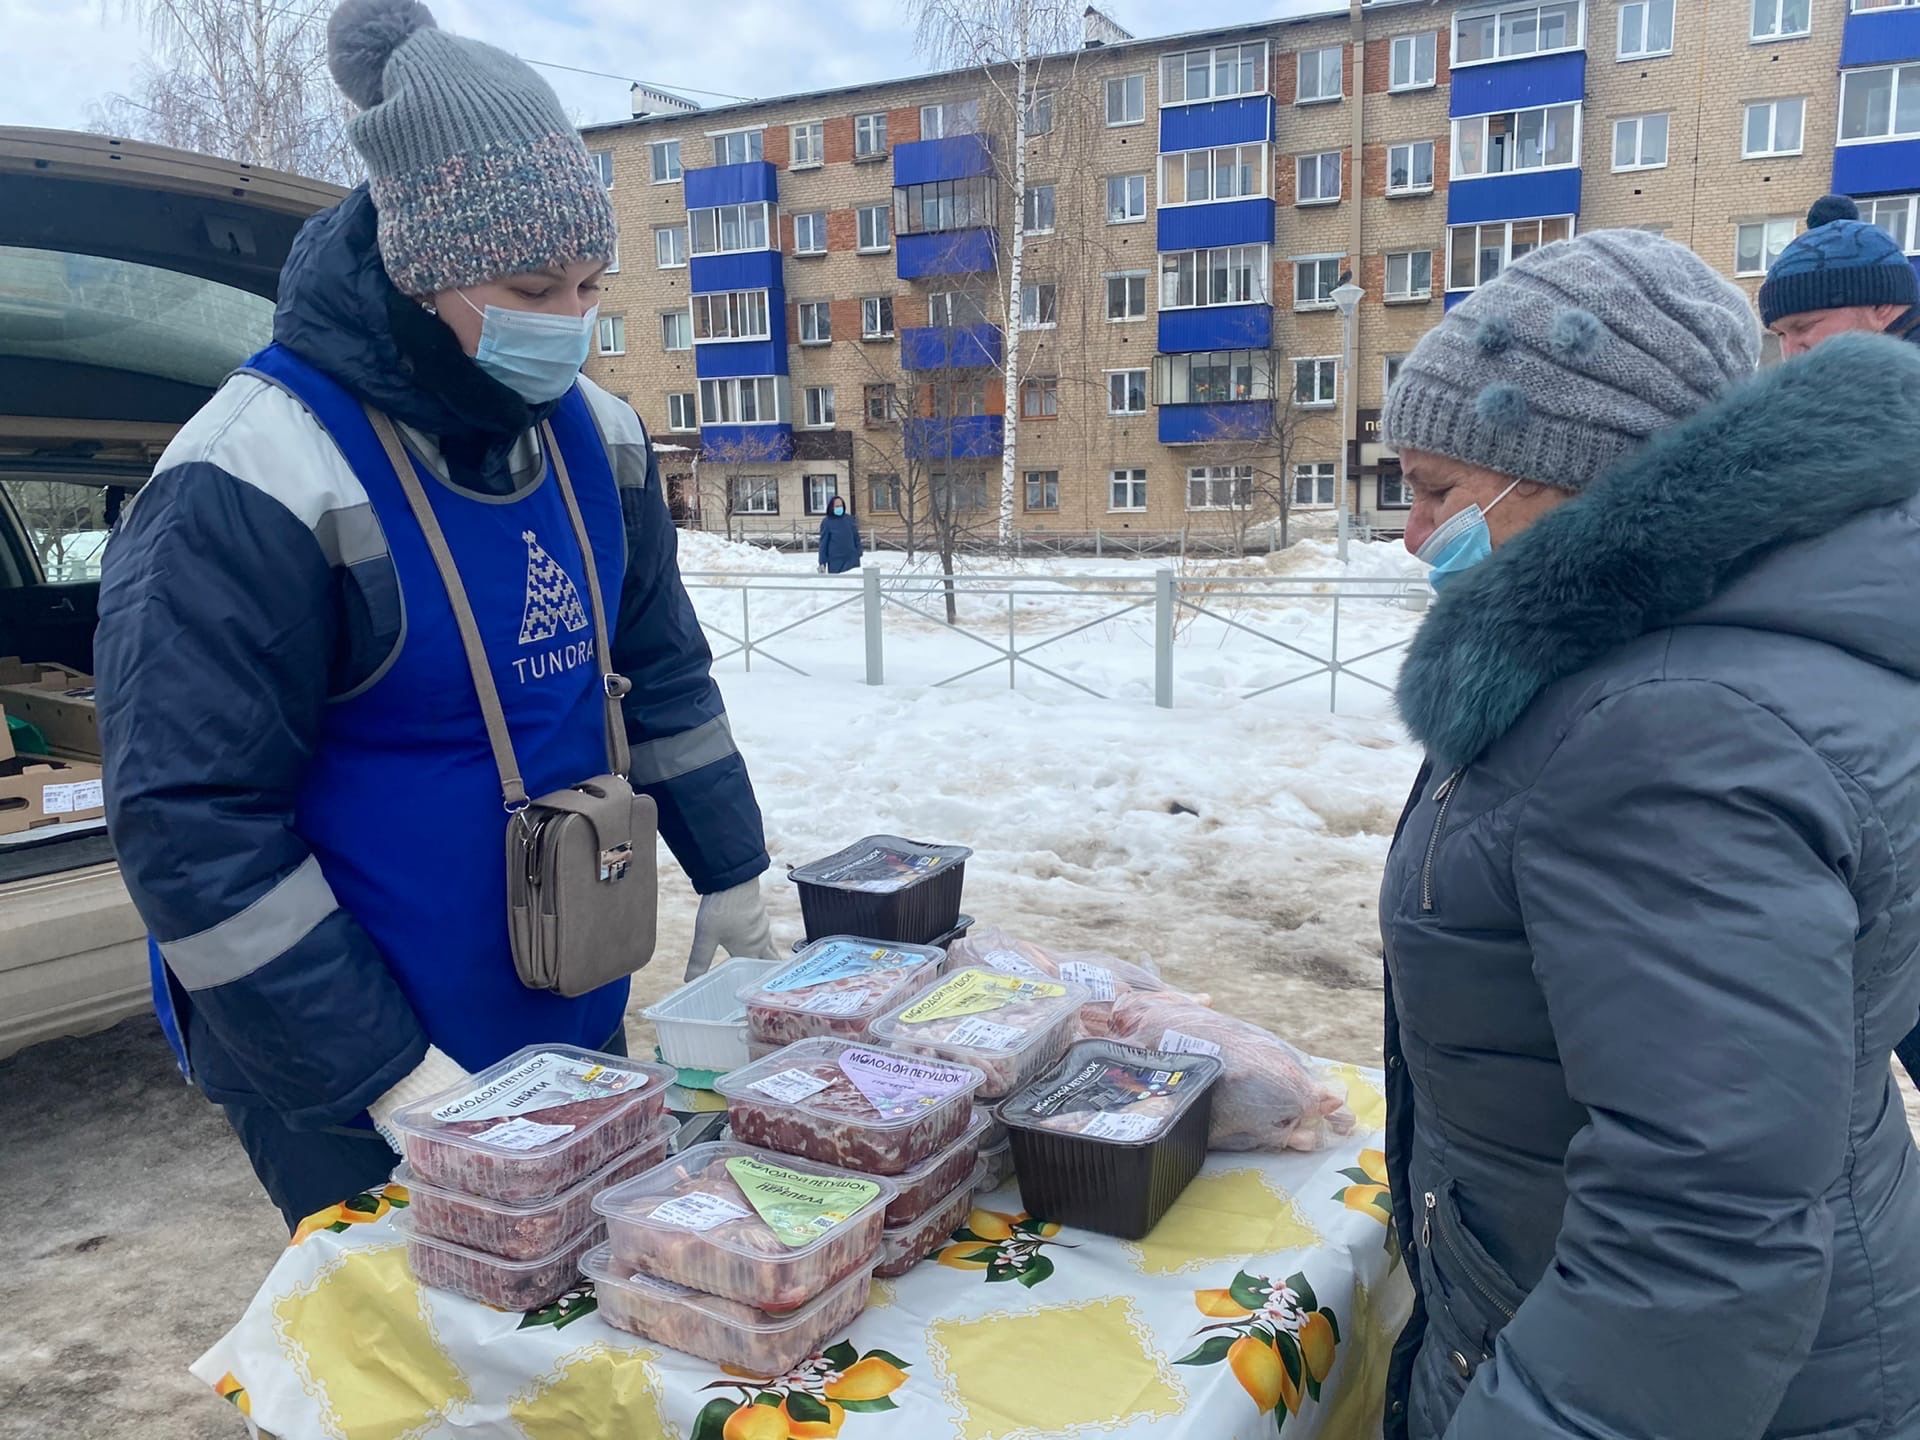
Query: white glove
(735, 920)
(436, 1072)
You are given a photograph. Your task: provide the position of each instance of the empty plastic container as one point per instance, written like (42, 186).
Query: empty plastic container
(703, 1024)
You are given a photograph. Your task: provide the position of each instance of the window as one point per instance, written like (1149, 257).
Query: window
(1040, 397)
(810, 233)
(1126, 392)
(1640, 142)
(1395, 492)
(958, 494)
(956, 117)
(942, 205)
(870, 135)
(1232, 275)
(1039, 304)
(676, 330)
(883, 494)
(1313, 485)
(1232, 172)
(876, 317)
(818, 491)
(670, 246)
(1516, 140)
(1314, 382)
(1880, 104)
(1217, 377)
(664, 155)
(874, 234)
(1758, 244)
(739, 147)
(1320, 75)
(1127, 296)
(1043, 489)
(603, 165)
(730, 315)
(1774, 127)
(1126, 199)
(1513, 30)
(1410, 275)
(1319, 179)
(1219, 487)
(1477, 253)
(950, 308)
(1040, 113)
(1412, 64)
(1781, 19)
(729, 228)
(1895, 215)
(1313, 282)
(1126, 100)
(755, 495)
(1410, 168)
(754, 400)
(816, 322)
(611, 335)
(817, 407)
(882, 404)
(1390, 365)
(808, 146)
(613, 265)
(1222, 73)
(1646, 28)
(1038, 216)
(681, 411)
(1127, 490)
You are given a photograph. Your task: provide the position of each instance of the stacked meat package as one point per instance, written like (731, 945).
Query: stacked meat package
(503, 1171)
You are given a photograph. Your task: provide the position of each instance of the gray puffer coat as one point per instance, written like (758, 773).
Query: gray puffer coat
(1651, 926)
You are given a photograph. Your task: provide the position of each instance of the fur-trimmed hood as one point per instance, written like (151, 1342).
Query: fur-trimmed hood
(1753, 513)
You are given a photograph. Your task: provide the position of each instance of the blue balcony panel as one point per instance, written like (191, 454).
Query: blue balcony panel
(965, 437)
(1247, 121)
(921, 162)
(950, 252)
(1514, 197)
(1216, 327)
(725, 359)
(748, 270)
(1210, 424)
(1224, 222)
(958, 347)
(1885, 168)
(1880, 37)
(1519, 84)
(746, 444)
(1454, 297)
(730, 184)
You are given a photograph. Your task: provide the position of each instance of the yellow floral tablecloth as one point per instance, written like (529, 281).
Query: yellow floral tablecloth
(1264, 1304)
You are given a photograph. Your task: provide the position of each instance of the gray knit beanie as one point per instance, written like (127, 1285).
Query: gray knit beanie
(1572, 357)
(476, 171)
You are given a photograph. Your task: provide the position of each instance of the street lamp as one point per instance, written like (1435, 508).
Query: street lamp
(1346, 297)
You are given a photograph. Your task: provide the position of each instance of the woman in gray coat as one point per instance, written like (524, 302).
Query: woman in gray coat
(1651, 916)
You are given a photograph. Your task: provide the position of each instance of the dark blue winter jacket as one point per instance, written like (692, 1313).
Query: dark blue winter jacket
(252, 598)
(839, 543)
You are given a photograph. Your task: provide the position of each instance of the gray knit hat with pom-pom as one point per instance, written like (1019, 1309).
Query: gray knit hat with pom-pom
(1572, 357)
(475, 171)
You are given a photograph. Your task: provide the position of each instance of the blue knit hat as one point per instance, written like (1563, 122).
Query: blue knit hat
(1839, 262)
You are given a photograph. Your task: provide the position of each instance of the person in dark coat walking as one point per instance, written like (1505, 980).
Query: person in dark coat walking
(1649, 918)
(839, 540)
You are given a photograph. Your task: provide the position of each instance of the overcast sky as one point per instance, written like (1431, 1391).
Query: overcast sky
(60, 56)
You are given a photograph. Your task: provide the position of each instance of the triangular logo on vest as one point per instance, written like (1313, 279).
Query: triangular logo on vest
(552, 602)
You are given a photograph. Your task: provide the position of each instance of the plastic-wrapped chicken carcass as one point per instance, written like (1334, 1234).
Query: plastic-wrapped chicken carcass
(905, 1246)
(1007, 1026)
(834, 987)
(746, 1225)
(1107, 977)
(1269, 1098)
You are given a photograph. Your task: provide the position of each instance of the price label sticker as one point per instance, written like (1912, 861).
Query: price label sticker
(698, 1212)
(792, 1086)
(981, 1034)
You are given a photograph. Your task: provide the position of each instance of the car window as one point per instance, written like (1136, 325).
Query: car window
(65, 526)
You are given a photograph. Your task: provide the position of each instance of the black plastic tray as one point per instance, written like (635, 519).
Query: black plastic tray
(918, 913)
(959, 932)
(1114, 1187)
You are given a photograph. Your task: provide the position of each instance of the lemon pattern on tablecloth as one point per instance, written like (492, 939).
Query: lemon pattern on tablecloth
(1224, 1215)
(602, 1390)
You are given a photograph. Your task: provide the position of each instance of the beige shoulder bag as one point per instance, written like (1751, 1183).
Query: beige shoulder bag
(582, 873)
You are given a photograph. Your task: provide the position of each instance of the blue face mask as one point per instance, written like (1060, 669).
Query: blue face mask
(1461, 543)
(536, 355)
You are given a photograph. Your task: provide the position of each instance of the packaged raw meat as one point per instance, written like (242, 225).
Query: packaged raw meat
(998, 1162)
(1106, 977)
(1010, 1027)
(504, 1284)
(886, 887)
(857, 1107)
(1270, 1098)
(933, 1179)
(904, 1246)
(703, 1024)
(533, 1125)
(1108, 1138)
(834, 987)
(724, 1332)
(525, 1232)
(763, 1229)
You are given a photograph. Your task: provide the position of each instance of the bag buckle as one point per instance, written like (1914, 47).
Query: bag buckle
(618, 687)
(614, 862)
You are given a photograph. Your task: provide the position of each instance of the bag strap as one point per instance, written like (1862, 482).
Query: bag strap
(619, 755)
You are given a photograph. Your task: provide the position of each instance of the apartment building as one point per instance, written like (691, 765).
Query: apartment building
(815, 297)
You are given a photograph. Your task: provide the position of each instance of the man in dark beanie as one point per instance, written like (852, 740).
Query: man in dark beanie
(1841, 275)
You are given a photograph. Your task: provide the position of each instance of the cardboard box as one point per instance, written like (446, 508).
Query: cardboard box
(6, 738)
(58, 700)
(36, 792)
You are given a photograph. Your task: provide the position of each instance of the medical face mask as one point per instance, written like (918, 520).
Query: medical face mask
(1461, 543)
(839, 509)
(536, 355)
